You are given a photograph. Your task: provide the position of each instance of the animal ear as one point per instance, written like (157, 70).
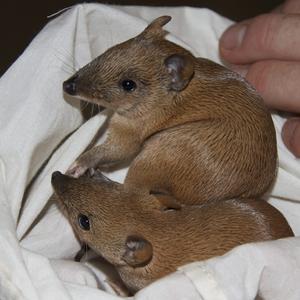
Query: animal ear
(167, 202)
(138, 251)
(181, 69)
(154, 29)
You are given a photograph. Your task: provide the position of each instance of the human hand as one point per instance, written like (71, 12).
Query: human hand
(266, 50)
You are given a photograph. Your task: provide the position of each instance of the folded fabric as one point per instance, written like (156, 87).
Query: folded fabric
(43, 131)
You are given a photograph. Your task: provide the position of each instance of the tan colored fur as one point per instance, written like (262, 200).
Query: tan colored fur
(213, 138)
(178, 234)
(204, 152)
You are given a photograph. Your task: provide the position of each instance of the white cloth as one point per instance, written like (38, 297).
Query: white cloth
(37, 243)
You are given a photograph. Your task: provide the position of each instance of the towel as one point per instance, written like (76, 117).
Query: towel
(43, 131)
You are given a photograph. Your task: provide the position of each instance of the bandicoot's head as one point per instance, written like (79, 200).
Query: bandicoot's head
(142, 69)
(115, 223)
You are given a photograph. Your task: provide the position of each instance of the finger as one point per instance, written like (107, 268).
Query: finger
(291, 135)
(290, 7)
(270, 36)
(276, 81)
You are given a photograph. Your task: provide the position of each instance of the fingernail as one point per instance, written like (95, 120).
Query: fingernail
(233, 37)
(291, 135)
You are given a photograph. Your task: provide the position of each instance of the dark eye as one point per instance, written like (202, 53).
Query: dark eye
(84, 222)
(128, 85)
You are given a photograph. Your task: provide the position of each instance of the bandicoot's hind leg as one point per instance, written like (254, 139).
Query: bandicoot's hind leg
(196, 165)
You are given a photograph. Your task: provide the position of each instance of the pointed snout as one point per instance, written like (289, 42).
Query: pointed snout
(60, 182)
(70, 85)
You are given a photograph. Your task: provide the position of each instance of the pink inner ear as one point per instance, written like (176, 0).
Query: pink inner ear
(181, 70)
(138, 251)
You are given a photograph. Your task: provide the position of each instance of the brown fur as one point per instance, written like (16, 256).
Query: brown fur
(198, 133)
(197, 130)
(162, 234)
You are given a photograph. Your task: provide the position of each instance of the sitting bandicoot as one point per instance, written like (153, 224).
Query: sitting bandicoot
(195, 129)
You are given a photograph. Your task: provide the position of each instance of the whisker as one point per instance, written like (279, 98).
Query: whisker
(66, 64)
(61, 67)
(83, 105)
(67, 71)
(71, 55)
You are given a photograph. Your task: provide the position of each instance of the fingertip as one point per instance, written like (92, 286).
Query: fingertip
(231, 40)
(291, 135)
(267, 36)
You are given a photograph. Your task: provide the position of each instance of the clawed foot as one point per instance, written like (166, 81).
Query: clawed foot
(77, 169)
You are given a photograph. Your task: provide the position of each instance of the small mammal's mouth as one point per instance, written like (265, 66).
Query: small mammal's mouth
(73, 88)
(89, 99)
(78, 96)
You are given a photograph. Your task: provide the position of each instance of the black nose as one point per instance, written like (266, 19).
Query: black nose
(56, 176)
(69, 86)
(60, 182)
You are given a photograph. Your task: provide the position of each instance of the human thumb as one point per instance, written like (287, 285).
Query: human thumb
(265, 37)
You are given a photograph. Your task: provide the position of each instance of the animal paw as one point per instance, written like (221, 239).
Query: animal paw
(76, 169)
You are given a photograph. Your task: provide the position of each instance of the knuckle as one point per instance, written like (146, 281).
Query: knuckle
(267, 31)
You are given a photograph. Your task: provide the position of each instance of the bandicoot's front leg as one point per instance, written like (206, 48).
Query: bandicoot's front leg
(117, 148)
